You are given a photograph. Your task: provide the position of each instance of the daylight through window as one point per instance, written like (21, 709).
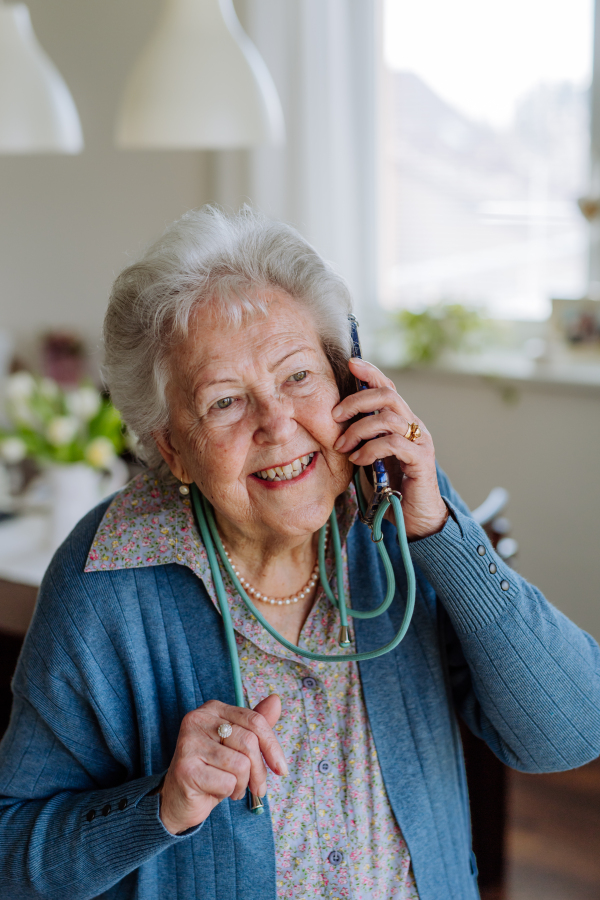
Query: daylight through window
(484, 152)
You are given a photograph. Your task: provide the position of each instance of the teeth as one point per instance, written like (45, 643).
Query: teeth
(287, 472)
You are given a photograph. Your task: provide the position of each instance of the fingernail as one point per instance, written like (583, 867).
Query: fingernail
(283, 769)
(353, 457)
(262, 789)
(339, 443)
(336, 412)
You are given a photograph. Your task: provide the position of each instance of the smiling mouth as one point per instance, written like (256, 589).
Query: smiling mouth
(288, 472)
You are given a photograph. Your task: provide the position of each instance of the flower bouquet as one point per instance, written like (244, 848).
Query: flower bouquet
(74, 436)
(50, 424)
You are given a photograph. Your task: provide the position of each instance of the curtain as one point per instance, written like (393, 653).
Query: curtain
(322, 55)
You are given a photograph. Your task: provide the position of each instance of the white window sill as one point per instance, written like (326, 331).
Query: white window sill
(582, 372)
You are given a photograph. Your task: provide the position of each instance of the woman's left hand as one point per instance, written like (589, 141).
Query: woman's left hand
(424, 510)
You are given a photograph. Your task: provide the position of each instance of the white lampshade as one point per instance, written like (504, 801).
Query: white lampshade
(37, 112)
(200, 83)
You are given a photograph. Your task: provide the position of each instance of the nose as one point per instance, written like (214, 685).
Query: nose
(275, 423)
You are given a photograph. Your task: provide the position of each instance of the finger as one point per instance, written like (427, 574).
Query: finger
(190, 777)
(371, 427)
(240, 754)
(201, 747)
(257, 723)
(270, 708)
(407, 452)
(214, 781)
(369, 401)
(369, 373)
(190, 798)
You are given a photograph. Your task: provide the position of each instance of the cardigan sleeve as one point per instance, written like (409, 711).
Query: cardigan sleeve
(59, 839)
(75, 817)
(524, 677)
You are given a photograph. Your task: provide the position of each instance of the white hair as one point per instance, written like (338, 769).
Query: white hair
(205, 257)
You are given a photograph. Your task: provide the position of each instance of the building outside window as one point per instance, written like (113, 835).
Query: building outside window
(481, 163)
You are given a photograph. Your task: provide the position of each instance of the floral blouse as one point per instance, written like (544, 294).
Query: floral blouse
(335, 833)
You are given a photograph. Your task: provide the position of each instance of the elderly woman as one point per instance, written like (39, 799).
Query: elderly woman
(127, 764)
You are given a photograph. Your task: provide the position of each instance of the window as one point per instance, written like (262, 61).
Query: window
(484, 152)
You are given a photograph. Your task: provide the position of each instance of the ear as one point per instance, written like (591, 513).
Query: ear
(171, 456)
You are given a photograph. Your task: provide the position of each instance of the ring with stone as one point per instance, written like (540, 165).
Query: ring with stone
(224, 731)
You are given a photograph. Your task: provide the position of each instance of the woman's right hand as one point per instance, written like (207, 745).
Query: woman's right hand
(203, 771)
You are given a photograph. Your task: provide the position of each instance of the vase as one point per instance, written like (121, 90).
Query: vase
(73, 489)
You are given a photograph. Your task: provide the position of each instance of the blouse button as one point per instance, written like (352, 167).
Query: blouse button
(324, 767)
(336, 857)
(504, 585)
(309, 682)
(106, 809)
(493, 569)
(123, 803)
(91, 815)
(481, 550)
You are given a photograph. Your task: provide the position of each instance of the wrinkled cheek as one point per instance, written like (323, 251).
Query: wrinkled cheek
(216, 467)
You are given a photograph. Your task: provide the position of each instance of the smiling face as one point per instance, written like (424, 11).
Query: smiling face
(251, 425)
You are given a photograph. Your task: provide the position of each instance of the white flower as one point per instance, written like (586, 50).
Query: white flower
(100, 453)
(20, 386)
(61, 430)
(49, 388)
(12, 449)
(20, 412)
(83, 403)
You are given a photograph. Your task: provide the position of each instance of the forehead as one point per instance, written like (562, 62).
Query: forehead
(278, 325)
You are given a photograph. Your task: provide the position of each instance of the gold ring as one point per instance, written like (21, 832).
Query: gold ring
(413, 432)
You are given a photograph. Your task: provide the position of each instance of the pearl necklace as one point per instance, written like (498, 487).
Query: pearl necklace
(276, 601)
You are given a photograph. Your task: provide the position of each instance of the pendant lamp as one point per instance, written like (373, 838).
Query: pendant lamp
(200, 83)
(37, 112)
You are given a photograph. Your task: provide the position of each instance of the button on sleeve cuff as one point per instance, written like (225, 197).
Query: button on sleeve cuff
(473, 583)
(130, 812)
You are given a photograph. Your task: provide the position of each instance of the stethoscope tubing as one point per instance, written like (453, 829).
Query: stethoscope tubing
(211, 539)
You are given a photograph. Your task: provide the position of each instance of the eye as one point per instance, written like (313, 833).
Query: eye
(298, 376)
(224, 403)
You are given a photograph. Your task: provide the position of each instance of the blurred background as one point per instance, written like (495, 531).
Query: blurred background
(445, 158)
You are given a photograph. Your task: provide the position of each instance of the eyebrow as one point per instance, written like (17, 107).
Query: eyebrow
(279, 362)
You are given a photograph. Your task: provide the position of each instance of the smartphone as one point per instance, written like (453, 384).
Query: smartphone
(376, 473)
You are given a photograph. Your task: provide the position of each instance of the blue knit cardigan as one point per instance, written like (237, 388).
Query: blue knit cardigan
(113, 661)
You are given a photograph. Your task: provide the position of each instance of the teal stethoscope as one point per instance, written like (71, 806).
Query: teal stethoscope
(372, 515)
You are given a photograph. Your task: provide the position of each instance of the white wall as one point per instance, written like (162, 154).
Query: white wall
(544, 447)
(67, 224)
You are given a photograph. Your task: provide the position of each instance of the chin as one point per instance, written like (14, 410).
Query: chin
(300, 519)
